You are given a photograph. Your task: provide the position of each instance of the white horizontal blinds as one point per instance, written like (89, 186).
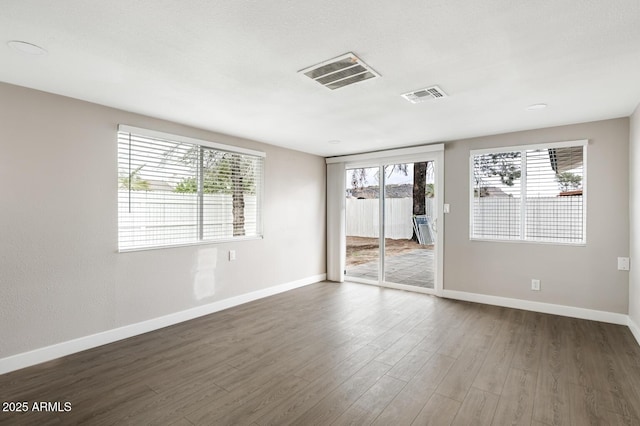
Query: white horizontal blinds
(174, 192)
(230, 194)
(535, 193)
(554, 202)
(151, 210)
(496, 195)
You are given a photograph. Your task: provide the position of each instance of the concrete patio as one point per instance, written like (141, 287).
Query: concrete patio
(413, 268)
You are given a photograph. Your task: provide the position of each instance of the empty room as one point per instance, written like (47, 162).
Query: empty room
(328, 213)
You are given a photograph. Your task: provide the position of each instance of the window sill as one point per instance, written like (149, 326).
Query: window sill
(197, 243)
(551, 243)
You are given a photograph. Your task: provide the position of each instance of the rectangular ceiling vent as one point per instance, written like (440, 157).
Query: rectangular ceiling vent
(422, 95)
(340, 72)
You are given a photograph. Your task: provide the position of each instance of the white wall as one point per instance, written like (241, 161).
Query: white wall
(60, 275)
(634, 213)
(583, 277)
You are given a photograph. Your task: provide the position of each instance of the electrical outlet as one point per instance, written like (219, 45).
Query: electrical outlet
(232, 255)
(623, 264)
(535, 285)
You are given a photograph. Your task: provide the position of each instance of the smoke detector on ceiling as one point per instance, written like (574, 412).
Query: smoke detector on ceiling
(339, 72)
(423, 95)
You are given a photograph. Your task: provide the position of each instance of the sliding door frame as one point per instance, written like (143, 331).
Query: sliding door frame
(425, 153)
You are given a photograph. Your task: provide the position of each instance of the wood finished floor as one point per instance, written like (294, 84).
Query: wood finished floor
(348, 354)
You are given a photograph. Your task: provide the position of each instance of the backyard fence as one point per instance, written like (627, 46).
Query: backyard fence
(363, 217)
(548, 218)
(147, 216)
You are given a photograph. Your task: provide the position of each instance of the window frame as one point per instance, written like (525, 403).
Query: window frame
(523, 205)
(154, 134)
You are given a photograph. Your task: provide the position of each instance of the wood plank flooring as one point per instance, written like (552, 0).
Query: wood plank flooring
(347, 354)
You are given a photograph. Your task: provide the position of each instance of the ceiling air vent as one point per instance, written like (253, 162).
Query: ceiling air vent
(341, 71)
(422, 95)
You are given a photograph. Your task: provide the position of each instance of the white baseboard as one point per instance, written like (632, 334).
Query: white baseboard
(635, 330)
(547, 308)
(48, 353)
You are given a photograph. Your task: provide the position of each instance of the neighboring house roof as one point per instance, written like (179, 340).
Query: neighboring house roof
(159, 185)
(493, 191)
(570, 193)
(392, 191)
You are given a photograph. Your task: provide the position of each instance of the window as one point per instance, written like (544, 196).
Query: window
(530, 193)
(174, 190)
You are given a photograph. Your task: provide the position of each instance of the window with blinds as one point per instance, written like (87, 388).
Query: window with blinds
(174, 190)
(531, 193)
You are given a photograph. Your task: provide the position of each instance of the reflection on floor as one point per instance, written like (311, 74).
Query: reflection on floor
(413, 268)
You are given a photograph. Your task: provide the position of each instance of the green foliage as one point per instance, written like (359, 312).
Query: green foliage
(187, 185)
(503, 165)
(133, 181)
(220, 173)
(569, 181)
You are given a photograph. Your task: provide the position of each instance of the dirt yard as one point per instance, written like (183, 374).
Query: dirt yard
(363, 250)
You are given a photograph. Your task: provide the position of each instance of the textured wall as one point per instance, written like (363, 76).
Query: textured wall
(585, 277)
(61, 276)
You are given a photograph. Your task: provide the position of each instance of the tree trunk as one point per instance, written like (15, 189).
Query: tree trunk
(419, 191)
(238, 195)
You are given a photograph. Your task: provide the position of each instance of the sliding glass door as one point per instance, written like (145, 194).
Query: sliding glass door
(391, 224)
(409, 219)
(363, 224)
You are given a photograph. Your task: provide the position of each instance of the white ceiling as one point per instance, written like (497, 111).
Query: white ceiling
(231, 65)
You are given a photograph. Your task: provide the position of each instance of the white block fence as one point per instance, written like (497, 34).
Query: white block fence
(548, 218)
(363, 217)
